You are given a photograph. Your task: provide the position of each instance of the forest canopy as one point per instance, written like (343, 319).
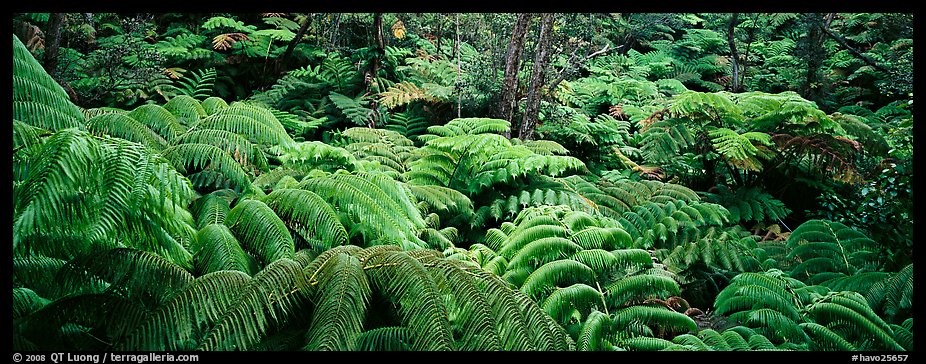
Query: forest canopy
(462, 181)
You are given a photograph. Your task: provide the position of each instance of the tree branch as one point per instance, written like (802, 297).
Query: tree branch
(854, 51)
(562, 73)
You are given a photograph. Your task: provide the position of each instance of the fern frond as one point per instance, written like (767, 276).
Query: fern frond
(421, 309)
(391, 338)
(158, 119)
(253, 122)
(194, 157)
(565, 302)
(667, 320)
(37, 99)
(338, 319)
(127, 128)
(260, 231)
(186, 109)
(543, 281)
(638, 288)
(893, 295)
(309, 215)
(267, 302)
(218, 250)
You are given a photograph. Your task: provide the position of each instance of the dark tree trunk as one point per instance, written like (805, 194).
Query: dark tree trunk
(532, 106)
(734, 54)
(378, 30)
(375, 64)
(811, 50)
(298, 38)
(53, 42)
(508, 99)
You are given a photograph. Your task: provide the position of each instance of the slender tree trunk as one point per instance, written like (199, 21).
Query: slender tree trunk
(375, 64)
(458, 87)
(53, 42)
(439, 22)
(812, 54)
(535, 86)
(298, 38)
(734, 54)
(507, 103)
(749, 38)
(378, 30)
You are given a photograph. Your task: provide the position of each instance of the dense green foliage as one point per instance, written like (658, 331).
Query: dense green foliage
(276, 181)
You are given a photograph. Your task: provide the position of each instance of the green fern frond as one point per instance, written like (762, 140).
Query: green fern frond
(37, 99)
(158, 119)
(543, 281)
(170, 328)
(338, 319)
(260, 231)
(253, 122)
(218, 250)
(127, 128)
(266, 302)
(667, 320)
(109, 191)
(378, 213)
(828, 240)
(563, 303)
(212, 105)
(199, 84)
(826, 313)
(643, 343)
(26, 301)
(638, 288)
(392, 338)
(739, 149)
(194, 157)
(421, 309)
(309, 215)
(825, 339)
(893, 295)
(186, 109)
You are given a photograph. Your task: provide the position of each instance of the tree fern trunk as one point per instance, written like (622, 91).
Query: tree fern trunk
(532, 107)
(506, 104)
(53, 42)
(734, 54)
(811, 52)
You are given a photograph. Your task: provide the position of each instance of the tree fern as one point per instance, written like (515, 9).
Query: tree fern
(893, 295)
(834, 244)
(261, 231)
(262, 304)
(740, 150)
(217, 249)
(158, 119)
(37, 99)
(199, 84)
(127, 128)
(253, 122)
(186, 109)
(852, 309)
(342, 302)
(378, 207)
(666, 320)
(309, 215)
(191, 158)
(110, 191)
